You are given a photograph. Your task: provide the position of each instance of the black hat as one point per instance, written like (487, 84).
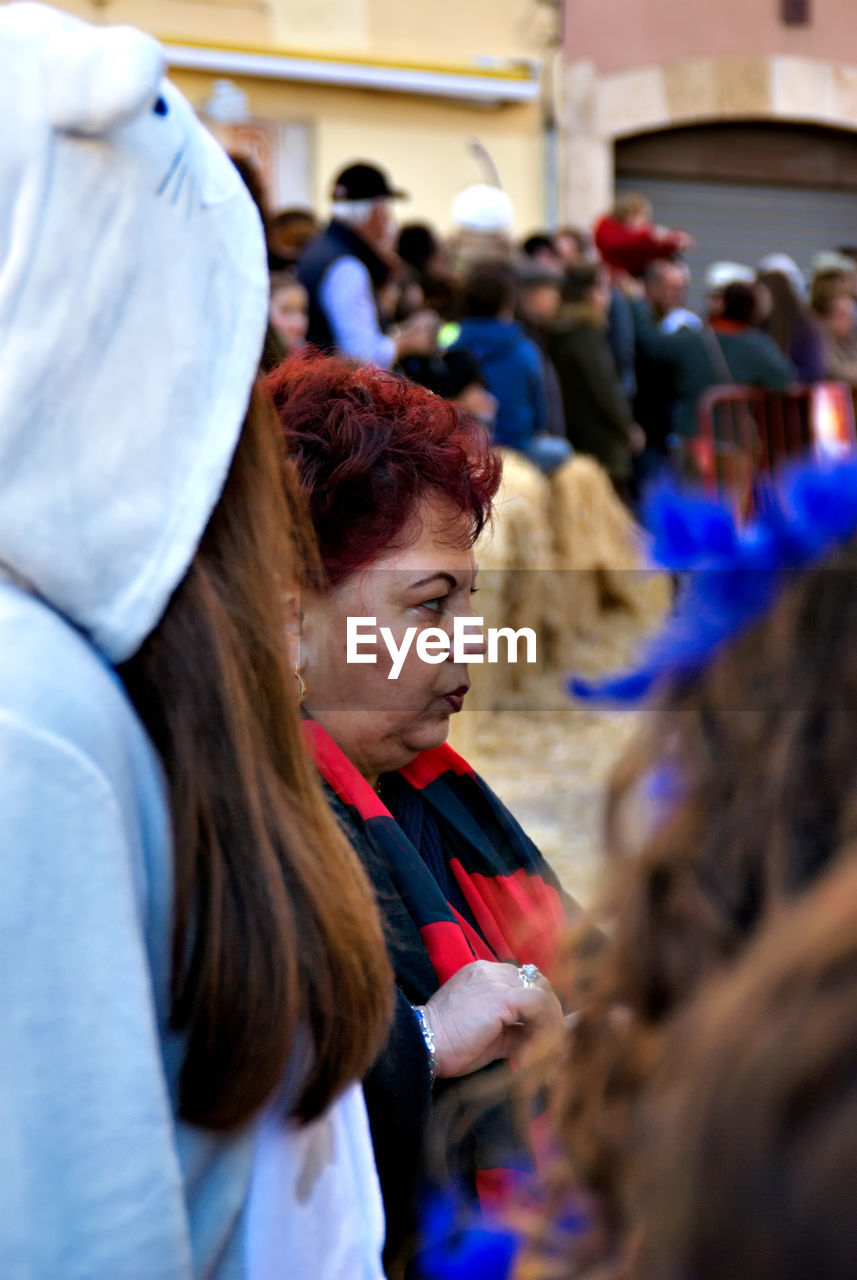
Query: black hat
(364, 182)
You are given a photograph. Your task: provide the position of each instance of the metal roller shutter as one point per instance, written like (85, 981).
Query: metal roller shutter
(740, 222)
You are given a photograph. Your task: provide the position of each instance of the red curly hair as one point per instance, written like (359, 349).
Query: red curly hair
(368, 446)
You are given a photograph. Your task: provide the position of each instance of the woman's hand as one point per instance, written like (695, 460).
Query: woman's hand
(484, 1012)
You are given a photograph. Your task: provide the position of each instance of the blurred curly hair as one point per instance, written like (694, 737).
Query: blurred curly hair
(760, 756)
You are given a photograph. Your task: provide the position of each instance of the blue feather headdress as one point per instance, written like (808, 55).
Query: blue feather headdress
(733, 575)
(468, 1248)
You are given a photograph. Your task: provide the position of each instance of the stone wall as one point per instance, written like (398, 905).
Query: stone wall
(601, 107)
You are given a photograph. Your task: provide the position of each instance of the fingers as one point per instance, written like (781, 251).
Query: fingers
(485, 1012)
(538, 1009)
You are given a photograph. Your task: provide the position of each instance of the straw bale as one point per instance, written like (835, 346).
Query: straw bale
(515, 558)
(561, 554)
(600, 550)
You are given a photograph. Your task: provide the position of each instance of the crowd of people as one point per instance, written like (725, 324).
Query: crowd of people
(286, 989)
(573, 341)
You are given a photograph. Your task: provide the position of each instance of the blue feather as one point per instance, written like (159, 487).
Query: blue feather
(464, 1247)
(733, 575)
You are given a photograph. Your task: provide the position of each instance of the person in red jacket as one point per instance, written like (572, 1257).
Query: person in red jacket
(628, 241)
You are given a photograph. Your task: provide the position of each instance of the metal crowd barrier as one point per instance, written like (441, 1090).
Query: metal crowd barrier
(746, 432)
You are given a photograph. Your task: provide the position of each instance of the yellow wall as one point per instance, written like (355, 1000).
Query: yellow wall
(423, 141)
(452, 32)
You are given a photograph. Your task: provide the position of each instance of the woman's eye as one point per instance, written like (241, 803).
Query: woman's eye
(436, 605)
(474, 591)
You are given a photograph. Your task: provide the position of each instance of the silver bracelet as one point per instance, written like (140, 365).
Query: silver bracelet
(428, 1037)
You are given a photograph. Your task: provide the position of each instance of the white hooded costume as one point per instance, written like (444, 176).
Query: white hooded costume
(133, 304)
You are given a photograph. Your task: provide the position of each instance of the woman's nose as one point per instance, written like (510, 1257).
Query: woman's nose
(473, 642)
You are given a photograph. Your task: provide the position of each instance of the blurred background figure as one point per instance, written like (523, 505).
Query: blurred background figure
(426, 263)
(832, 263)
(287, 318)
(628, 241)
(539, 297)
(833, 304)
(666, 284)
(483, 226)
(457, 376)
(718, 277)
(573, 244)
(511, 364)
(289, 233)
(729, 349)
(656, 398)
(541, 249)
(598, 416)
(787, 317)
(344, 268)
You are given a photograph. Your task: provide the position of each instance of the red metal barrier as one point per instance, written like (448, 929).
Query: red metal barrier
(744, 432)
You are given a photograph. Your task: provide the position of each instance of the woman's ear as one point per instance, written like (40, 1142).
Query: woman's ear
(292, 610)
(304, 623)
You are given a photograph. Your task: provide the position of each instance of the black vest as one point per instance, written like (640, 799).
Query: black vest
(337, 241)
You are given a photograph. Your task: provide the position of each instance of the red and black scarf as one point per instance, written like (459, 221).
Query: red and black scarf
(438, 827)
(457, 880)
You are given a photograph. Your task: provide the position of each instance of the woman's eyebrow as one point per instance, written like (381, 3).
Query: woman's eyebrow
(449, 578)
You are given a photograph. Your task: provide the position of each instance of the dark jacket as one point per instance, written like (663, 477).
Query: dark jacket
(556, 411)
(622, 342)
(806, 350)
(749, 356)
(656, 400)
(399, 1096)
(597, 416)
(512, 367)
(337, 241)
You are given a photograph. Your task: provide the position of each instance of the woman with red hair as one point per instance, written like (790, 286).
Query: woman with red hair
(399, 485)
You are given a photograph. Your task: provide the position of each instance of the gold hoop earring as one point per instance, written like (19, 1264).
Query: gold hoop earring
(301, 685)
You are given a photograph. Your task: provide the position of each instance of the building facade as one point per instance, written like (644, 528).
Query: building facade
(437, 91)
(738, 118)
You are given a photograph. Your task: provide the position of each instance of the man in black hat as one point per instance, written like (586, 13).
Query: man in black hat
(343, 267)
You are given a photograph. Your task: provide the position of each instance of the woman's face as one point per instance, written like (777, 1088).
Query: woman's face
(289, 315)
(380, 723)
(841, 319)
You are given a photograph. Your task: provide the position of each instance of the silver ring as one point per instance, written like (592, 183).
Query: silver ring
(529, 975)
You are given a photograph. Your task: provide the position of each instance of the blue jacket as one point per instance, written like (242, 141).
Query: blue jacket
(512, 367)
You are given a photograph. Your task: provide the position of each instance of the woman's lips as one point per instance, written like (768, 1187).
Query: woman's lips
(456, 698)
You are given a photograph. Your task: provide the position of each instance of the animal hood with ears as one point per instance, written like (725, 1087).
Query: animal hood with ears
(133, 306)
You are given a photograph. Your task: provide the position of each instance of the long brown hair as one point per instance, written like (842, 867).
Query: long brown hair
(275, 927)
(760, 755)
(744, 1162)
(787, 310)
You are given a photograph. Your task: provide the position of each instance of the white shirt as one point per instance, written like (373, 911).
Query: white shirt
(680, 318)
(348, 301)
(314, 1210)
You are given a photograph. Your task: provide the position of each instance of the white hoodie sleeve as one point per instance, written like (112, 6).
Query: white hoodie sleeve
(90, 1184)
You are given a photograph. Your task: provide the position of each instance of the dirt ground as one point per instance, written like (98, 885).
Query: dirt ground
(549, 757)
